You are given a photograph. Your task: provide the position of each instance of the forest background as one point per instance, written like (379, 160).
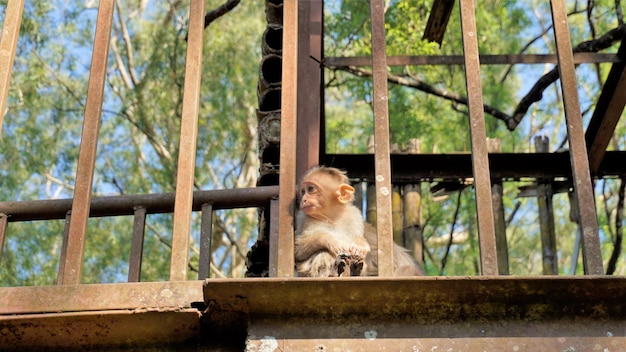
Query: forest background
(138, 143)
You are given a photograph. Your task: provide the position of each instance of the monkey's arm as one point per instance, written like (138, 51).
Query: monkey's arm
(310, 243)
(307, 244)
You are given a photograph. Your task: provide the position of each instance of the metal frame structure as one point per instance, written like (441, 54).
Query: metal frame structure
(285, 312)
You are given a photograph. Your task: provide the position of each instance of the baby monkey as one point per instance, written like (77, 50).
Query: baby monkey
(331, 236)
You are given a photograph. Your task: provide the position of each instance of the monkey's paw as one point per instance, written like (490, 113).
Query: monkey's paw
(354, 263)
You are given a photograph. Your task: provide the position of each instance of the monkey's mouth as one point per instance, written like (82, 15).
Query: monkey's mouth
(306, 207)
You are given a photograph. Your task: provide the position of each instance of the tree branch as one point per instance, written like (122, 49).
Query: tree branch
(617, 245)
(536, 92)
(419, 85)
(218, 12)
(444, 260)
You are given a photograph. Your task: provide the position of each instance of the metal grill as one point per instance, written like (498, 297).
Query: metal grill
(300, 116)
(507, 304)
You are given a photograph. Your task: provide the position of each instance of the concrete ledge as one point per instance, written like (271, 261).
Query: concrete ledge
(360, 314)
(422, 314)
(425, 299)
(96, 297)
(143, 315)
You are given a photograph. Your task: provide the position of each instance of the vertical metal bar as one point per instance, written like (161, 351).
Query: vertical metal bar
(88, 146)
(283, 251)
(583, 186)
(382, 162)
(206, 228)
(136, 245)
(480, 159)
(187, 147)
(66, 234)
(274, 225)
(8, 45)
(309, 89)
(546, 216)
(3, 231)
(502, 248)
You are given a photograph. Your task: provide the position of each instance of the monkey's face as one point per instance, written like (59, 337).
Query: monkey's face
(313, 200)
(323, 198)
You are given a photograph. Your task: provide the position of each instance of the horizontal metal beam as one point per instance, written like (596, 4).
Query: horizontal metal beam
(109, 316)
(452, 298)
(608, 112)
(99, 297)
(579, 58)
(455, 312)
(503, 166)
(426, 314)
(125, 204)
(178, 329)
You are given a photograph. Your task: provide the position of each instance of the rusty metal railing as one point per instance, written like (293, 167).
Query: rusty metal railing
(480, 159)
(583, 186)
(78, 210)
(139, 206)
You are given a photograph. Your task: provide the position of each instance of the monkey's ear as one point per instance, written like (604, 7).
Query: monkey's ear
(345, 193)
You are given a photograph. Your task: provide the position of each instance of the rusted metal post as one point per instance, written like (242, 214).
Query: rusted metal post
(500, 227)
(310, 89)
(282, 252)
(274, 224)
(187, 149)
(206, 231)
(88, 146)
(66, 231)
(8, 45)
(136, 245)
(370, 190)
(583, 186)
(382, 161)
(546, 216)
(494, 146)
(480, 160)
(609, 108)
(3, 232)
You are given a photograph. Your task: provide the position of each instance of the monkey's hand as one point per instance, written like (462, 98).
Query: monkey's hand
(355, 263)
(358, 248)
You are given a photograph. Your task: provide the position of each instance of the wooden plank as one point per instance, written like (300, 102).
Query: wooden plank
(438, 20)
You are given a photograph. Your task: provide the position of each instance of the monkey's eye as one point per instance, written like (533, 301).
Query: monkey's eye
(310, 189)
